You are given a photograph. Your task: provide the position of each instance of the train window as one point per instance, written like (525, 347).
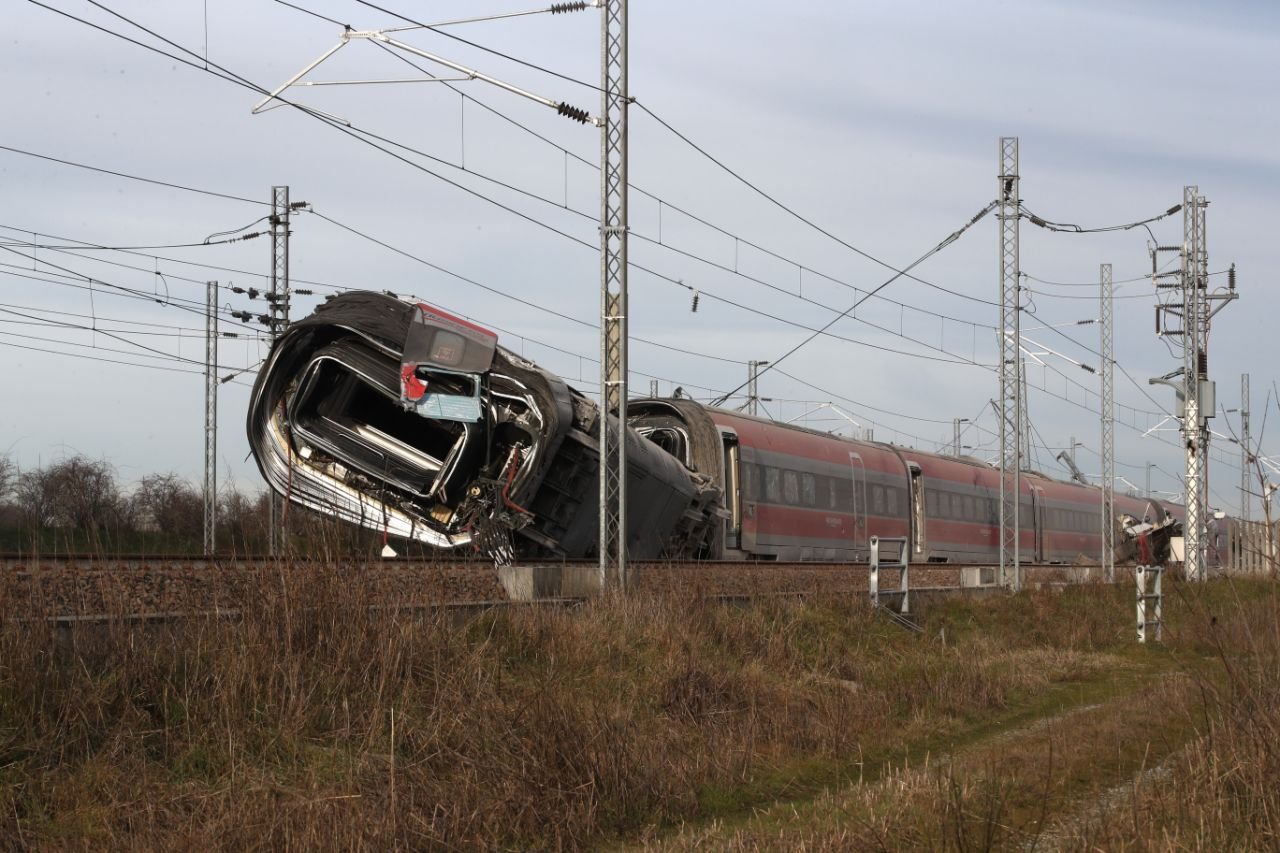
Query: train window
(877, 500)
(844, 493)
(790, 488)
(831, 492)
(968, 508)
(808, 490)
(750, 481)
(957, 507)
(892, 495)
(931, 503)
(772, 486)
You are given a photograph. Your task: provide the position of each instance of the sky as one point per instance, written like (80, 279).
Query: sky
(878, 123)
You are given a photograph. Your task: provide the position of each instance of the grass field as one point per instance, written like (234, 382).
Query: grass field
(1032, 722)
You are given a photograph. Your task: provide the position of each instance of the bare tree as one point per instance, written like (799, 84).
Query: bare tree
(34, 499)
(170, 505)
(8, 477)
(83, 496)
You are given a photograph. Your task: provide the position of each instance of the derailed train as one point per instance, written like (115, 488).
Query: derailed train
(407, 420)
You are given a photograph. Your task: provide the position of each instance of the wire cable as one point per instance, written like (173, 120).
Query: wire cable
(795, 215)
(947, 241)
(114, 173)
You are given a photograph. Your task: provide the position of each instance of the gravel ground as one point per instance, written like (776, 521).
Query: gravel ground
(139, 586)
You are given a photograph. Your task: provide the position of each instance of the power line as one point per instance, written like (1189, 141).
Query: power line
(367, 137)
(489, 50)
(168, 184)
(1068, 228)
(947, 241)
(99, 359)
(791, 212)
(663, 204)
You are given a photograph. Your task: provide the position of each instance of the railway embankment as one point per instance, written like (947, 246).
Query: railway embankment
(657, 719)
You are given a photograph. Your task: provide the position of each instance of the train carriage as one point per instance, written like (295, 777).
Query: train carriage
(403, 418)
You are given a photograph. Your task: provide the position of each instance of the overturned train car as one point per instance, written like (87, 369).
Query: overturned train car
(407, 420)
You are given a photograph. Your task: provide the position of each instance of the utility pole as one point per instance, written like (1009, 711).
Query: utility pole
(279, 319)
(653, 388)
(1106, 375)
(210, 417)
(1195, 392)
(614, 100)
(1011, 387)
(1246, 455)
(955, 434)
(753, 395)
(1194, 370)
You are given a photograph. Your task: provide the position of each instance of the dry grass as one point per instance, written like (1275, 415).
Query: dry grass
(314, 722)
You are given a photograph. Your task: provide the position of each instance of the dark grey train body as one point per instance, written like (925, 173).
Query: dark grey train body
(402, 418)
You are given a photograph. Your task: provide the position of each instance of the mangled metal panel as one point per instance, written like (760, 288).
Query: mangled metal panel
(445, 359)
(405, 419)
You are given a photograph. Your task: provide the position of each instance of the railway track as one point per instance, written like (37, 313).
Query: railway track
(74, 587)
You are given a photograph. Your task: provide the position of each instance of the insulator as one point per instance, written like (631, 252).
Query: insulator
(302, 292)
(696, 297)
(1087, 368)
(224, 380)
(559, 8)
(237, 289)
(1202, 363)
(264, 319)
(1171, 211)
(230, 335)
(1036, 220)
(578, 115)
(1231, 278)
(295, 205)
(1168, 248)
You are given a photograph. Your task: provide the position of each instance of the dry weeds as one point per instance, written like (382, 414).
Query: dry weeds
(312, 721)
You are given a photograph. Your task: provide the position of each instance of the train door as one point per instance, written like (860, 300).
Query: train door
(1037, 521)
(858, 500)
(732, 489)
(916, 499)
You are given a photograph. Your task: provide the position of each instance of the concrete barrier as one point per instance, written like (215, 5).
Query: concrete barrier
(532, 583)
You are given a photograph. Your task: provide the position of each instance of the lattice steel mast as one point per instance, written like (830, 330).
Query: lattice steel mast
(1246, 454)
(1011, 387)
(1106, 375)
(1195, 369)
(279, 318)
(210, 417)
(753, 389)
(613, 293)
(1197, 399)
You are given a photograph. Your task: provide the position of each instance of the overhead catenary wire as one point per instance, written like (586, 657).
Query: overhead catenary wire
(663, 204)
(947, 241)
(801, 218)
(368, 138)
(113, 33)
(169, 184)
(434, 28)
(171, 300)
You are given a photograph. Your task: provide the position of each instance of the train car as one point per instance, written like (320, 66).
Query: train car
(797, 494)
(407, 420)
